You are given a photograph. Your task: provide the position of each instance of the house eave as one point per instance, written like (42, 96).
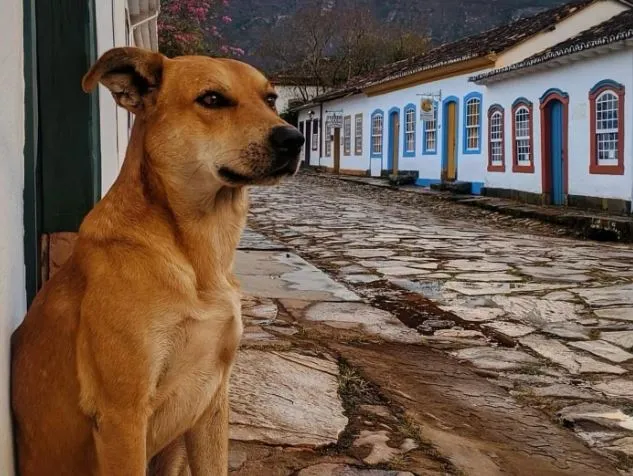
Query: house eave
(554, 62)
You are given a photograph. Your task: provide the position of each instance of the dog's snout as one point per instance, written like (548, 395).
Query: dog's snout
(286, 140)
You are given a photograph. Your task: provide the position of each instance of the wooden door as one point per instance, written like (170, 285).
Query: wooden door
(555, 128)
(451, 143)
(337, 150)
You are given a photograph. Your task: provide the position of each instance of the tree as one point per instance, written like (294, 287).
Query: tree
(188, 27)
(336, 43)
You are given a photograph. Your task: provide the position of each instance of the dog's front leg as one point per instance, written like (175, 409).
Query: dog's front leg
(208, 441)
(120, 439)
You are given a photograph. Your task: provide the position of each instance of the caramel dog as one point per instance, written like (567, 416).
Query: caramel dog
(121, 366)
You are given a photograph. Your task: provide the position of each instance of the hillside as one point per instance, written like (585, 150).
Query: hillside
(444, 20)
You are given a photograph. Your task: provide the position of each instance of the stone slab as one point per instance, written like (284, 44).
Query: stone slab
(492, 358)
(620, 338)
(285, 398)
(621, 295)
(603, 349)
(286, 275)
(510, 329)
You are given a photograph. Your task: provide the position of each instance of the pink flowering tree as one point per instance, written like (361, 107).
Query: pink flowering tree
(188, 27)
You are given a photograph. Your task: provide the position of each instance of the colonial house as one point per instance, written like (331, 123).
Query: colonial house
(293, 89)
(559, 126)
(60, 148)
(373, 125)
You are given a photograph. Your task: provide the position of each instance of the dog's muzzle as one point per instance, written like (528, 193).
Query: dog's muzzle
(286, 143)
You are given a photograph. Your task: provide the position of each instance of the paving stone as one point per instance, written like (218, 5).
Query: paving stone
(479, 265)
(482, 289)
(603, 349)
(510, 329)
(604, 415)
(560, 354)
(474, 314)
(621, 446)
(401, 271)
(566, 330)
(361, 278)
(623, 339)
(488, 277)
(285, 398)
(619, 388)
(615, 313)
(492, 358)
(565, 391)
(459, 334)
(364, 317)
(621, 295)
(560, 296)
(327, 469)
(381, 452)
(554, 273)
(376, 253)
(237, 458)
(537, 312)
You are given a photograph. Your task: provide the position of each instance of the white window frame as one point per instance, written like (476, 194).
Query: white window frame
(473, 130)
(523, 141)
(358, 134)
(409, 130)
(377, 130)
(496, 137)
(602, 130)
(347, 135)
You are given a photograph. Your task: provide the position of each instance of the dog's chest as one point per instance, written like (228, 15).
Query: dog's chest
(194, 359)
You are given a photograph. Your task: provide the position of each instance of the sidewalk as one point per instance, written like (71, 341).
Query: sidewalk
(589, 224)
(327, 385)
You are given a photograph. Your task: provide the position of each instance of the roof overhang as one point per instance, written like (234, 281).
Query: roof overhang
(426, 75)
(520, 69)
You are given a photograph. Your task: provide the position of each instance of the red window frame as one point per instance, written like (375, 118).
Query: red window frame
(618, 90)
(496, 108)
(516, 167)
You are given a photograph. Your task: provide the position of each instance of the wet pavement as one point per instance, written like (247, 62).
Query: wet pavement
(486, 343)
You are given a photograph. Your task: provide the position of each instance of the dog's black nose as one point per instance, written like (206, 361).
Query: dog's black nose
(286, 140)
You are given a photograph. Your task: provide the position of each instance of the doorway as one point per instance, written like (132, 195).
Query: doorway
(449, 156)
(337, 150)
(394, 141)
(308, 142)
(554, 146)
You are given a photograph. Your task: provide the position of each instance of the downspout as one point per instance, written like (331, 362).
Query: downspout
(321, 138)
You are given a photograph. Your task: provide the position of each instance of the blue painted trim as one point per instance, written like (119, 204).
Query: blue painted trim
(426, 182)
(521, 102)
(372, 155)
(390, 143)
(550, 91)
(426, 151)
(405, 152)
(475, 187)
(606, 83)
(445, 104)
(468, 97)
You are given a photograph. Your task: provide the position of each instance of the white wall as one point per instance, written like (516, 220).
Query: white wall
(289, 93)
(303, 117)
(576, 79)
(12, 275)
(113, 120)
(571, 26)
(470, 167)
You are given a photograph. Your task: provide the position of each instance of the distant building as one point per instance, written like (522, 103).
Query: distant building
(484, 95)
(294, 89)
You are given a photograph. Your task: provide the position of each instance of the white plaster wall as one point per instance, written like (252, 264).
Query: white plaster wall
(304, 116)
(576, 79)
(12, 274)
(470, 167)
(289, 93)
(571, 26)
(113, 121)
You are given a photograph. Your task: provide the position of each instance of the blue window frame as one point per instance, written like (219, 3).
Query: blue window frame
(471, 128)
(377, 133)
(408, 131)
(429, 134)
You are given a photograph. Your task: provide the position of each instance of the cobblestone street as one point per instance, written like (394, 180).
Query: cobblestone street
(548, 319)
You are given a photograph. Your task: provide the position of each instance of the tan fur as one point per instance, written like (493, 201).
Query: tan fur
(124, 358)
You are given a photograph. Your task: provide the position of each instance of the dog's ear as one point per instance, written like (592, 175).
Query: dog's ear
(132, 75)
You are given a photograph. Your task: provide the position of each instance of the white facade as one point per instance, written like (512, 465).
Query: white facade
(575, 79)
(12, 274)
(288, 93)
(471, 162)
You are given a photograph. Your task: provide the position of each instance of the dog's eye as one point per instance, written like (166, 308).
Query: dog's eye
(271, 100)
(213, 100)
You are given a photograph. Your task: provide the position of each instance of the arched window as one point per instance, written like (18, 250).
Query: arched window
(429, 139)
(606, 101)
(522, 137)
(377, 126)
(472, 124)
(496, 139)
(409, 130)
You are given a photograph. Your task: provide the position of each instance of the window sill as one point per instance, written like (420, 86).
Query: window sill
(523, 169)
(606, 169)
(496, 168)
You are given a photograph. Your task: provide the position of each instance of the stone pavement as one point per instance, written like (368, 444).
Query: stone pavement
(327, 384)
(594, 224)
(529, 325)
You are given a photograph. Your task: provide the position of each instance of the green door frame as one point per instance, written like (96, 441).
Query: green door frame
(62, 157)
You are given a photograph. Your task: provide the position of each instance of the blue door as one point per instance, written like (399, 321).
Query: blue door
(557, 191)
